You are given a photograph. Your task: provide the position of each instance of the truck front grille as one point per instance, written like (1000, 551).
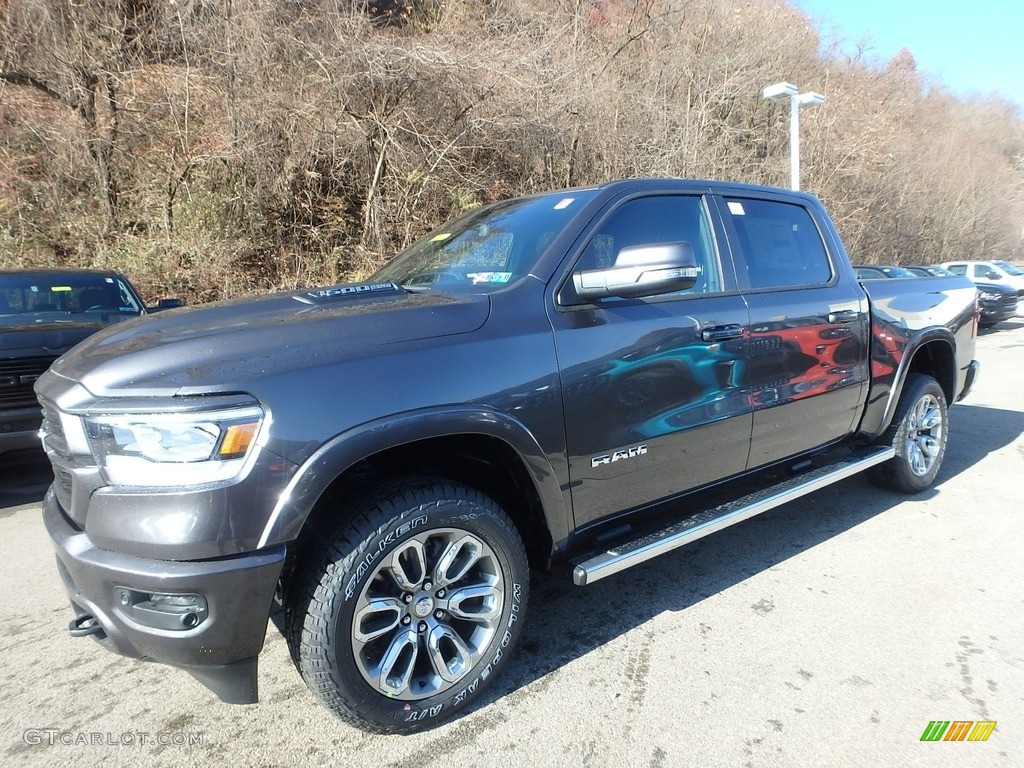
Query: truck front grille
(56, 445)
(17, 378)
(53, 431)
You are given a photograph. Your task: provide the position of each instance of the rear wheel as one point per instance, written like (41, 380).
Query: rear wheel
(409, 605)
(918, 433)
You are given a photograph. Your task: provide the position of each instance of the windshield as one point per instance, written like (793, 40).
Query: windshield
(489, 247)
(1009, 268)
(66, 294)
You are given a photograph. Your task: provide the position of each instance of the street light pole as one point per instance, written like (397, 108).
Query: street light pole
(794, 142)
(797, 100)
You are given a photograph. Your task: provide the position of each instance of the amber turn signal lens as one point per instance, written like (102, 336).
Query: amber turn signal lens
(237, 439)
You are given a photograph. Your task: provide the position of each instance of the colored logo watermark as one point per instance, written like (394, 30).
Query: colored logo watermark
(958, 730)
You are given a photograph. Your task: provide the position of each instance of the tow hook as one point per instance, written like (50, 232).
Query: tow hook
(82, 626)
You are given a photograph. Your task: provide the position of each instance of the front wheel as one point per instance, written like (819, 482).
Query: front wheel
(918, 433)
(410, 606)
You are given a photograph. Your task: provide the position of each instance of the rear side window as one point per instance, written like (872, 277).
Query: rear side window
(958, 269)
(780, 242)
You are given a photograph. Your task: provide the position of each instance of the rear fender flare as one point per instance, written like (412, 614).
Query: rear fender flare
(910, 351)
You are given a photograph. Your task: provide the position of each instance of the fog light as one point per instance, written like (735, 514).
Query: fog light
(163, 610)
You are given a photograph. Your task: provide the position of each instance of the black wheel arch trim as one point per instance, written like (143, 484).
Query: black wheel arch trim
(881, 407)
(345, 450)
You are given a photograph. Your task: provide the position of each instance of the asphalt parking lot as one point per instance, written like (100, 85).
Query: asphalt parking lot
(830, 631)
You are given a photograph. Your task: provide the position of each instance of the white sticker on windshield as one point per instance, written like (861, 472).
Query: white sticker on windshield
(736, 209)
(564, 203)
(489, 277)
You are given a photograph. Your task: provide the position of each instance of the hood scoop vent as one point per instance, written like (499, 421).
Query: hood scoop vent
(338, 292)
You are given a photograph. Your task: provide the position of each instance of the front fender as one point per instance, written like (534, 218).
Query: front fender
(345, 450)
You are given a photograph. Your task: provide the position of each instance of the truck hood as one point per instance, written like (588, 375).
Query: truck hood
(995, 287)
(46, 334)
(222, 346)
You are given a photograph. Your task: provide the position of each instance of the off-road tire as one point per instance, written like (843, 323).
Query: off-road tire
(919, 431)
(397, 659)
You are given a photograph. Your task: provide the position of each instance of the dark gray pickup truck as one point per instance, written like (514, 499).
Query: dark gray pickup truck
(523, 387)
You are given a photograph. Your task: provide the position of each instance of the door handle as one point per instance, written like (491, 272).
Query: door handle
(717, 333)
(844, 316)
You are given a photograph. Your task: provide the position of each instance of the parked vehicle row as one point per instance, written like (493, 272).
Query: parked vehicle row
(994, 278)
(879, 271)
(1000, 297)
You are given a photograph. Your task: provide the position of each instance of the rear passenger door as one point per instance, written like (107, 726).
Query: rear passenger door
(653, 388)
(809, 324)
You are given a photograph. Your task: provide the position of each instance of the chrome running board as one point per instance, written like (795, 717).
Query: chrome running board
(629, 553)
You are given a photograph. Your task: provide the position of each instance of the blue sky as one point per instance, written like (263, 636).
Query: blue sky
(970, 47)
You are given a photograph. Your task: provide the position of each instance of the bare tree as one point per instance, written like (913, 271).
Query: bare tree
(215, 149)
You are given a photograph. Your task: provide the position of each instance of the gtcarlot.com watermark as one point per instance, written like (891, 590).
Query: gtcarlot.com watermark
(52, 737)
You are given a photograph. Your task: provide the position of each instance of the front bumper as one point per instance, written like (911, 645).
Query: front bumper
(220, 651)
(995, 313)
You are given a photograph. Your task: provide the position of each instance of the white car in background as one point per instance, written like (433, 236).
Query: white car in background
(996, 271)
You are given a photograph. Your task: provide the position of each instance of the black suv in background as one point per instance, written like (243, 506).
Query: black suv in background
(996, 303)
(43, 313)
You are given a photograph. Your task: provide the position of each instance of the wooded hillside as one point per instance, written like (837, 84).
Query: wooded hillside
(215, 148)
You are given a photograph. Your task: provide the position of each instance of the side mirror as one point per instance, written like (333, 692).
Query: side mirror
(993, 276)
(641, 270)
(165, 304)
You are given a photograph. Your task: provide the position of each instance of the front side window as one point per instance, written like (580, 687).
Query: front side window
(981, 270)
(780, 242)
(657, 221)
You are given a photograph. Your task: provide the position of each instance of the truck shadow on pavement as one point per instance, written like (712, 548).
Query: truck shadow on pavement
(1006, 325)
(566, 622)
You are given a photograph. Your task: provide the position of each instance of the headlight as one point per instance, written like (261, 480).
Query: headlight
(173, 449)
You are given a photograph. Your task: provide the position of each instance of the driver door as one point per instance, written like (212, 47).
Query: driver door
(654, 389)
